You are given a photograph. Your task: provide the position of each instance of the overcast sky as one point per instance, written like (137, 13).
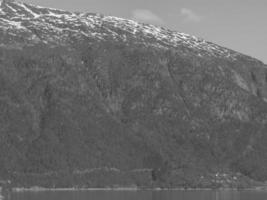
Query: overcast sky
(237, 24)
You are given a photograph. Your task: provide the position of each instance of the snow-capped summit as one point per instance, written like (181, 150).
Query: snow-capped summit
(26, 24)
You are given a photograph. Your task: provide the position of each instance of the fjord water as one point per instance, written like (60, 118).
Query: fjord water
(143, 195)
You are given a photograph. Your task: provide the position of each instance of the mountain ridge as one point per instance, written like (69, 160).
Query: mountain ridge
(83, 91)
(161, 37)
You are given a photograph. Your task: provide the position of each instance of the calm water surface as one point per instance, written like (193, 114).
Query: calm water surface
(141, 195)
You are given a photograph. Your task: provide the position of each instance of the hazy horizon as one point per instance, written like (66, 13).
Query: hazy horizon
(237, 25)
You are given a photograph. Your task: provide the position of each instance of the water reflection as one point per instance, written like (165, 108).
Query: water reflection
(224, 195)
(142, 195)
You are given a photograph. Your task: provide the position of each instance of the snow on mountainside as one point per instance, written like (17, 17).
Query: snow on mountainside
(22, 23)
(83, 91)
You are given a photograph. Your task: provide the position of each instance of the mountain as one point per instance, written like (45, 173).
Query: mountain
(96, 101)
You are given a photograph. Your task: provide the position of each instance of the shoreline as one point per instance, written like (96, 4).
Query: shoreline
(40, 189)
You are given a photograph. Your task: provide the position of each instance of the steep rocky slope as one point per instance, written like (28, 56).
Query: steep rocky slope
(89, 94)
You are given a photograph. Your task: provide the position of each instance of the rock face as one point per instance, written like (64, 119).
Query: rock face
(83, 91)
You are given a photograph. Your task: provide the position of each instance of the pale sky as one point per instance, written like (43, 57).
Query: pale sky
(240, 25)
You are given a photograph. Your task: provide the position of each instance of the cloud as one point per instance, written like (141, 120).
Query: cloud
(189, 15)
(144, 15)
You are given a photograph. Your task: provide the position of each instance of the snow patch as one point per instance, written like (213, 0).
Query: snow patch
(14, 10)
(28, 10)
(55, 15)
(14, 23)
